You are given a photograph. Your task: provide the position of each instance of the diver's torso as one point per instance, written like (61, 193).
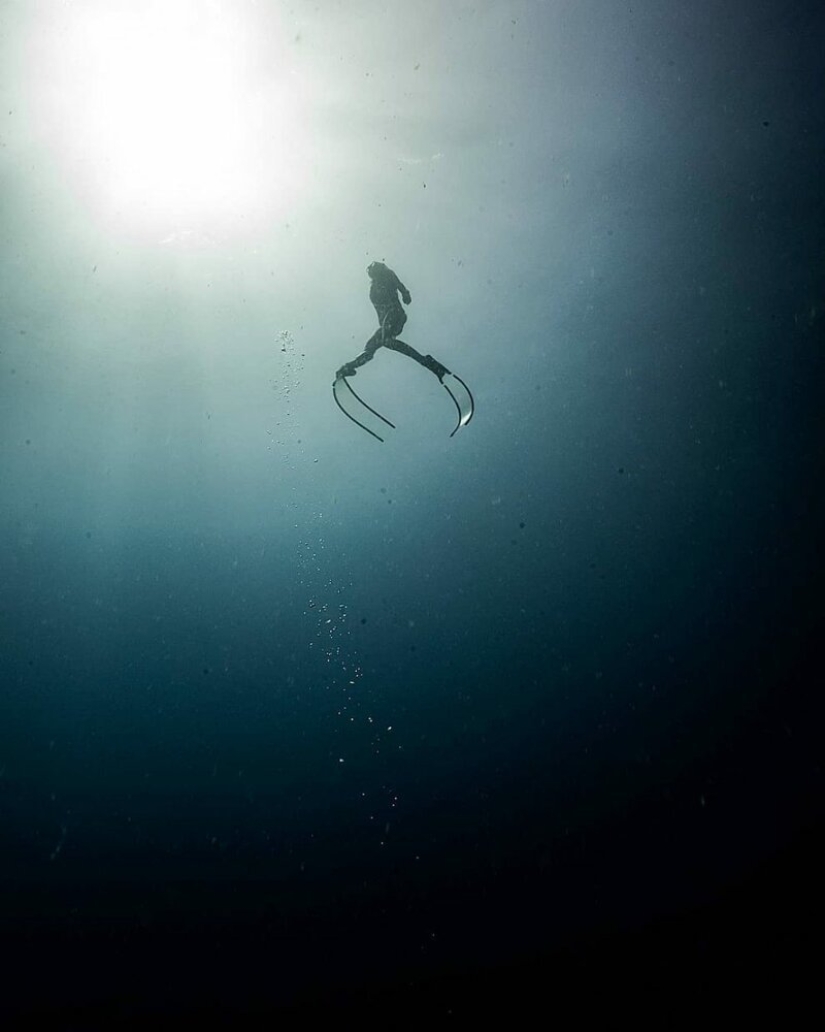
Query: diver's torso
(384, 291)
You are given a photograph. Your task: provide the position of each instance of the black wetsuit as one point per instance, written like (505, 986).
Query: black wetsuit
(384, 291)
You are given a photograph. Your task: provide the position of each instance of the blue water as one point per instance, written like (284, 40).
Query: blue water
(294, 719)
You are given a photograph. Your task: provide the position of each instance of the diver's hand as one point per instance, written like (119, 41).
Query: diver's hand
(407, 298)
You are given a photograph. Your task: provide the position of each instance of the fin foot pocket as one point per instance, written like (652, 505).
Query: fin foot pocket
(436, 367)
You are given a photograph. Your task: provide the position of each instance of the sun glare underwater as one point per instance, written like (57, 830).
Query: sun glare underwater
(168, 113)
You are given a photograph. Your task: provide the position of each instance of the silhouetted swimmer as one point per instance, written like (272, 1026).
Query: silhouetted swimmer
(384, 290)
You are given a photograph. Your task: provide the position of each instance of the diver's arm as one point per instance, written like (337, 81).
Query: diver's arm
(406, 297)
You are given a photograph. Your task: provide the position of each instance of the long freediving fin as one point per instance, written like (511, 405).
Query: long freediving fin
(364, 415)
(349, 399)
(462, 399)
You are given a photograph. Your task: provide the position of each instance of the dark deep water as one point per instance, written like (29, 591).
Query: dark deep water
(294, 723)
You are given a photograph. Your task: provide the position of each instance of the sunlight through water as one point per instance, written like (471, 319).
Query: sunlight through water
(167, 115)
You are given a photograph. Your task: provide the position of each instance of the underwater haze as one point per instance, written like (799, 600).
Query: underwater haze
(293, 720)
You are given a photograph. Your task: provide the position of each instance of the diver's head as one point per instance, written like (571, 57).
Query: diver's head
(376, 269)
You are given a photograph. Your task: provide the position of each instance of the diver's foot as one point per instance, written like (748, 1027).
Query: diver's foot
(435, 367)
(345, 370)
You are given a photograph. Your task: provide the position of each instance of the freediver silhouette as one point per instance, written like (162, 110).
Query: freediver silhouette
(385, 287)
(384, 291)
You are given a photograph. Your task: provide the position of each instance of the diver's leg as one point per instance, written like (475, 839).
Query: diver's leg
(393, 322)
(367, 355)
(405, 349)
(426, 360)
